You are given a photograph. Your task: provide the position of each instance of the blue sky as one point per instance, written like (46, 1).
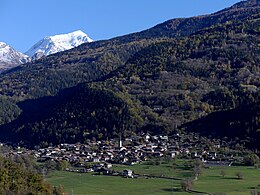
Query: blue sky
(24, 22)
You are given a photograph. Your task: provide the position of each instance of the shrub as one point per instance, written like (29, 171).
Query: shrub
(223, 173)
(186, 185)
(239, 175)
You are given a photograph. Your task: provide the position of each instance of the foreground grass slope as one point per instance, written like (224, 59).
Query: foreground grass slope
(110, 185)
(210, 182)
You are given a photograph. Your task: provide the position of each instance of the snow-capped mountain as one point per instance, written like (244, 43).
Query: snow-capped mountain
(57, 43)
(10, 58)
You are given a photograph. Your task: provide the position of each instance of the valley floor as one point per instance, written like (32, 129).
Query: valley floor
(209, 182)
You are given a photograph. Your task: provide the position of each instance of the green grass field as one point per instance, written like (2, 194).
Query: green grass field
(211, 181)
(88, 184)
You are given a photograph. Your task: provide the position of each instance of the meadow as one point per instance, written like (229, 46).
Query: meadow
(211, 181)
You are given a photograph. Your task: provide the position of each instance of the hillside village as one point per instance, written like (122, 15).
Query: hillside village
(99, 156)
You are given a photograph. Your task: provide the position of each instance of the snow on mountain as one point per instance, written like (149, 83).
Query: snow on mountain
(10, 58)
(57, 43)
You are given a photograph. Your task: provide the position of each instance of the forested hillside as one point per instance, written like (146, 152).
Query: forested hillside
(240, 123)
(15, 179)
(91, 61)
(75, 114)
(158, 80)
(216, 69)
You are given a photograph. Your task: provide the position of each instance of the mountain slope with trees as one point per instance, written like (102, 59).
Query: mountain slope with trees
(91, 61)
(16, 179)
(241, 123)
(75, 114)
(142, 82)
(216, 69)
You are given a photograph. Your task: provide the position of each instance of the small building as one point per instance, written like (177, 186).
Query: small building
(128, 173)
(106, 171)
(147, 137)
(174, 153)
(108, 165)
(194, 154)
(212, 155)
(95, 159)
